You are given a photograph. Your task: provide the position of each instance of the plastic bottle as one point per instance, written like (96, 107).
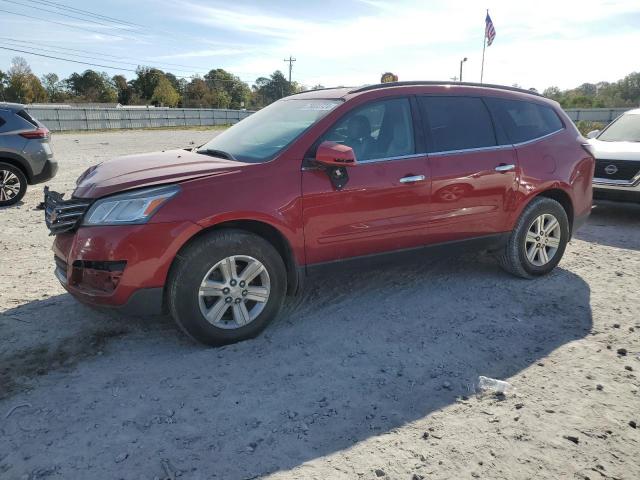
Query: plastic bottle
(492, 385)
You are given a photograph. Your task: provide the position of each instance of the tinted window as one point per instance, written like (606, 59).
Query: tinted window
(524, 121)
(377, 130)
(27, 117)
(457, 123)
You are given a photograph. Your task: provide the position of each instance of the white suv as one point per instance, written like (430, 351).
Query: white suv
(617, 153)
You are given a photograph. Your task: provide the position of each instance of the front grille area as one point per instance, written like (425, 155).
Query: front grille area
(624, 169)
(62, 215)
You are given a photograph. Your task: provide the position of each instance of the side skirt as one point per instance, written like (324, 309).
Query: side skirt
(457, 247)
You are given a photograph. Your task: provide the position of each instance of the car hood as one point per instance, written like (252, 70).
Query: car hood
(135, 171)
(616, 150)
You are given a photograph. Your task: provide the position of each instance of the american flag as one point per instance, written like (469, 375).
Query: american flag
(489, 31)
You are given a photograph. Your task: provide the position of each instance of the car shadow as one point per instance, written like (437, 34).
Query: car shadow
(7, 207)
(356, 355)
(625, 217)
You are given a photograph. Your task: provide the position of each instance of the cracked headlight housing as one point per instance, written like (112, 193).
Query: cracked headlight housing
(129, 208)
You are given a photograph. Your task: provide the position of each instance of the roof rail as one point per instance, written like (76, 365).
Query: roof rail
(446, 82)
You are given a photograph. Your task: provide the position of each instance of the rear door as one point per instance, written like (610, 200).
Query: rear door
(384, 205)
(474, 177)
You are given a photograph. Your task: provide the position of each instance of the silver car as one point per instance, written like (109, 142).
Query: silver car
(617, 153)
(26, 157)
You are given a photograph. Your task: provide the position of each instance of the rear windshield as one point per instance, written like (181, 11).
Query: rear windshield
(625, 129)
(523, 121)
(27, 117)
(263, 135)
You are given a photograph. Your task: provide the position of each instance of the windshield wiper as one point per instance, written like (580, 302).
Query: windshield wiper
(216, 153)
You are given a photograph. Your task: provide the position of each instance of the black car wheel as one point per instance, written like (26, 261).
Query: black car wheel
(13, 185)
(538, 240)
(226, 286)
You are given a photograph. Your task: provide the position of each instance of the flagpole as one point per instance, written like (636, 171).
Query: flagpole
(484, 46)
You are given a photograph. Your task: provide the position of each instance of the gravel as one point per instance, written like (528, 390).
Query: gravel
(344, 384)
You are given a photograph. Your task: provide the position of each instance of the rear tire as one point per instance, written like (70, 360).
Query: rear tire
(226, 286)
(538, 241)
(13, 184)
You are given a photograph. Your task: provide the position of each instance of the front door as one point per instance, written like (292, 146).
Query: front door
(384, 205)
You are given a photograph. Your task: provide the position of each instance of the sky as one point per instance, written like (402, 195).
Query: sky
(538, 44)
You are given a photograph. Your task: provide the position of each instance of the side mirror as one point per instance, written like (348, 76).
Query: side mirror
(332, 154)
(593, 133)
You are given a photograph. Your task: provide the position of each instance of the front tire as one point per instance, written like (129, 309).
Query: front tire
(226, 286)
(538, 240)
(13, 185)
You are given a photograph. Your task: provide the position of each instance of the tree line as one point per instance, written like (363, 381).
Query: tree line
(221, 89)
(620, 94)
(151, 86)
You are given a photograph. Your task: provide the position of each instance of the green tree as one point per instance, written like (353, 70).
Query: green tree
(146, 81)
(165, 94)
(230, 91)
(92, 86)
(22, 85)
(124, 90)
(53, 86)
(268, 90)
(4, 82)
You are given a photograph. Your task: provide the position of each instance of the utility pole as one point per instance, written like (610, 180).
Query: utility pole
(290, 60)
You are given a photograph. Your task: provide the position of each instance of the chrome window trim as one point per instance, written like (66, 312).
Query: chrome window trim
(526, 142)
(445, 153)
(389, 159)
(495, 147)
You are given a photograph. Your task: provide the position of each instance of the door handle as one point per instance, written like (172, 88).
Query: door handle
(505, 168)
(412, 179)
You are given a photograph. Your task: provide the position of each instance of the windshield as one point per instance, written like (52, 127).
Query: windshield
(624, 129)
(261, 136)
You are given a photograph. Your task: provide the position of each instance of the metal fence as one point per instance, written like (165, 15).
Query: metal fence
(59, 119)
(604, 115)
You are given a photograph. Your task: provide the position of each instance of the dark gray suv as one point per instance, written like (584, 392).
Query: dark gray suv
(26, 157)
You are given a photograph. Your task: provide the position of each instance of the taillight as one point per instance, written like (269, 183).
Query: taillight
(38, 133)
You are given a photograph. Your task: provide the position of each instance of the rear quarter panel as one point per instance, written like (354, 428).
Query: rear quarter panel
(555, 162)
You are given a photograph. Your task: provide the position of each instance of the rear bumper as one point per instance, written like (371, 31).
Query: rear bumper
(120, 266)
(48, 172)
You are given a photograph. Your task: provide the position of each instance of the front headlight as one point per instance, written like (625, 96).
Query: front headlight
(130, 207)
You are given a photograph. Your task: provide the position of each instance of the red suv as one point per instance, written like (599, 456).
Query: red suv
(218, 235)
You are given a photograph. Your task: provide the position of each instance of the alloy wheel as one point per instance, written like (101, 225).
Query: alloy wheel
(234, 292)
(9, 185)
(543, 239)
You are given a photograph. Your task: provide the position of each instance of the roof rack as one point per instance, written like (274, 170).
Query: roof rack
(447, 82)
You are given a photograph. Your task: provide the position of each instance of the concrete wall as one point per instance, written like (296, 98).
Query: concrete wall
(604, 115)
(59, 119)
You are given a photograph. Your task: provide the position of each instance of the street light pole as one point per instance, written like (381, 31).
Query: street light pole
(461, 62)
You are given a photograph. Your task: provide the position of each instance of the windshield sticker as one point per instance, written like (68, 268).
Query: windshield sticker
(321, 107)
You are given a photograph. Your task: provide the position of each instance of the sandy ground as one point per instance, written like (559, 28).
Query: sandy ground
(366, 375)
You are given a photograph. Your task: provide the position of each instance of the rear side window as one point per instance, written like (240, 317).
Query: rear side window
(523, 121)
(27, 117)
(457, 123)
(377, 130)
(2, 120)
